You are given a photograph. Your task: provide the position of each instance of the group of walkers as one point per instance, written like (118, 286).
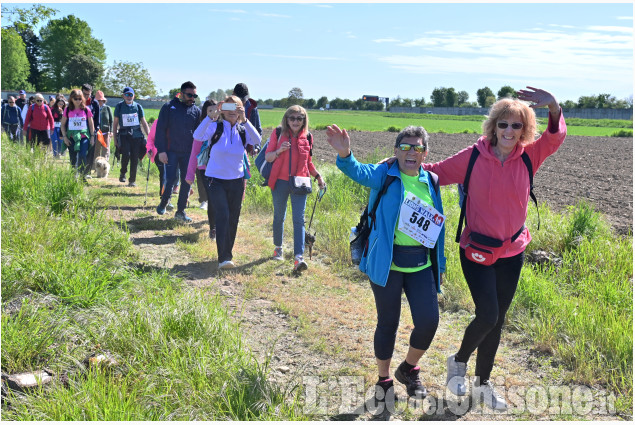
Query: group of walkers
(404, 251)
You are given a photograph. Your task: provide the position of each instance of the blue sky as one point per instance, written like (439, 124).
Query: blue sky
(348, 50)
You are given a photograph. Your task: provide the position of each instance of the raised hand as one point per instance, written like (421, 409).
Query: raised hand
(539, 98)
(339, 139)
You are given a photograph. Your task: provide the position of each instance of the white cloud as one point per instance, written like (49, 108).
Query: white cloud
(386, 40)
(349, 34)
(626, 30)
(228, 10)
(323, 58)
(624, 18)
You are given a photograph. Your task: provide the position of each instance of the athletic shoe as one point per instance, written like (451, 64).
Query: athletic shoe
(182, 217)
(489, 395)
(160, 209)
(88, 176)
(212, 234)
(410, 378)
(299, 264)
(203, 205)
(122, 179)
(456, 376)
(132, 184)
(169, 206)
(385, 392)
(226, 265)
(277, 254)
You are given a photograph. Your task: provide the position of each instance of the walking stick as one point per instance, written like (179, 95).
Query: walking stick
(145, 199)
(309, 239)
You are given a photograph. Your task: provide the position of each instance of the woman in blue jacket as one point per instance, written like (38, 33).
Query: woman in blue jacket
(404, 250)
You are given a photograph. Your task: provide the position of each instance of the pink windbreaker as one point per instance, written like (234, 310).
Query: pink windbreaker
(150, 148)
(499, 193)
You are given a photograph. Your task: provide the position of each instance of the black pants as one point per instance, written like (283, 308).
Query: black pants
(12, 131)
(492, 288)
(421, 292)
(227, 196)
(130, 148)
(42, 136)
(202, 181)
(200, 186)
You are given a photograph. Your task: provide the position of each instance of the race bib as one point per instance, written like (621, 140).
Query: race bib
(420, 221)
(130, 120)
(77, 123)
(58, 124)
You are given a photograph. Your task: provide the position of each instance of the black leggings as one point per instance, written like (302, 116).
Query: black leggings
(493, 288)
(421, 292)
(227, 196)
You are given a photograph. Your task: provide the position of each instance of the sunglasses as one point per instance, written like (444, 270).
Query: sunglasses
(39, 101)
(515, 125)
(190, 95)
(295, 119)
(128, 94)
(77, 98)
(407, 147)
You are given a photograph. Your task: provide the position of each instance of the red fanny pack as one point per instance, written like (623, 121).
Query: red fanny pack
(486, 250)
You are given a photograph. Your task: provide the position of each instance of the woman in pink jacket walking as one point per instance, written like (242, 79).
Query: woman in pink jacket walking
(493, 243)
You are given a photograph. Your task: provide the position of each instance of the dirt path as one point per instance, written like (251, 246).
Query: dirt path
(335, 381)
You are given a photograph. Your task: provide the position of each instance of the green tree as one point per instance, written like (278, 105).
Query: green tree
(321, 102)
(61, 40)
(462, 97)
(15, 65)
(129, 74)
(438, 96)
(309, 103)
(489, 101)
(506, 91)
(568, 104)
(173, 92)
(482, 95)
(295, 96)
(24, 22)
(451, 97)
(420, 103)
(81, 69)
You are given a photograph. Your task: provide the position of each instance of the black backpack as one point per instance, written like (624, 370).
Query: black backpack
(464, 187)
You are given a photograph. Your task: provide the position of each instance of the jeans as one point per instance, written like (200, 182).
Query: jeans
(175, 170)
(280, 194)
(492, 288)
(57, 140)
(227, 196)
(130, 148)
(78, 158)
(421, 292)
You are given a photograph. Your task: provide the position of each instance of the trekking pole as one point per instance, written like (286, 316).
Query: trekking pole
(145, 199)
(309, 239)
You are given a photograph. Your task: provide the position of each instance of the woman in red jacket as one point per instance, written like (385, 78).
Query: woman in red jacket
(493, 242)
(40, 120)
(291, 156)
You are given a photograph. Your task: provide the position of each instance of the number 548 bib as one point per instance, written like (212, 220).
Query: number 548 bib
(420, 221)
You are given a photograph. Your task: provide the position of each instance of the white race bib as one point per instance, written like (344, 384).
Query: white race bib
(77, 123)
(130, 120)
(420, 221)
(58, 124)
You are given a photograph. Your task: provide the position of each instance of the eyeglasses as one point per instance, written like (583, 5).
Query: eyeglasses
(407, 147)
(128, 94)
(39, 101)
(190, 95)
(295, 119)
(515, 125)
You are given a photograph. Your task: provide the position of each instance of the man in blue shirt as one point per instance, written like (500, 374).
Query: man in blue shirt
(11, 118)
(127, 124)
(174, 136)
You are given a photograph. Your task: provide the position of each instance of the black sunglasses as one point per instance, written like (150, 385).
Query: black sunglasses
(515, 125)
(408, 146)
(128, 94)
(295, 119)
(190, 95)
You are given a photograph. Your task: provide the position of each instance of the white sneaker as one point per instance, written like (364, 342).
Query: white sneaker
(225, 265)
(203, 205)
(489, 395)
(277, 254)
(456, 376)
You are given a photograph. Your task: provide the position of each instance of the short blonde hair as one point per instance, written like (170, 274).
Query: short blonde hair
(38, 96)
(231, 99)
(503, 109)
(295, 109)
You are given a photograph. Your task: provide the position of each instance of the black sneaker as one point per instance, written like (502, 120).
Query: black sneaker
(212, 233)
(411, 380)
(122, 179)
(384, 391)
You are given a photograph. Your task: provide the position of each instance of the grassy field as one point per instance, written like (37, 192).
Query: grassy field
(71, 286)
(383, 121)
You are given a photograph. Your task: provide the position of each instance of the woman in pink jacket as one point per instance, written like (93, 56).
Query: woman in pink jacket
(40, 120)
(493, 242)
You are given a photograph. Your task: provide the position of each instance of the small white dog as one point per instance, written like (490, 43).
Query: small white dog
(102, 167)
